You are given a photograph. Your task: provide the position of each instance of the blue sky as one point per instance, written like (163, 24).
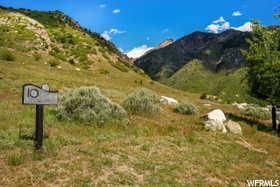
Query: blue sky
(146, 23)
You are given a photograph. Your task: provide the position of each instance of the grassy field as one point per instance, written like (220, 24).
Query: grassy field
(166, 150)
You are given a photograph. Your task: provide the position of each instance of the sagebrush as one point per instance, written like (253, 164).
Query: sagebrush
(257, 112)
(185, 107)
(88, 105)
(142, 101)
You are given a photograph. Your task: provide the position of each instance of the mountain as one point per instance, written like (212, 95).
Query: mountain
(201, 62)
(215, 51)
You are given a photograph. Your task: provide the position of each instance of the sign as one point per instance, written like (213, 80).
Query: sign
(34, 95)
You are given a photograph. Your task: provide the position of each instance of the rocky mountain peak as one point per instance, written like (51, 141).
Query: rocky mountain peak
(165, 43)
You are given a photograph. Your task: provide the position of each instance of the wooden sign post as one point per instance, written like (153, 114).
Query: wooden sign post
(34, 95)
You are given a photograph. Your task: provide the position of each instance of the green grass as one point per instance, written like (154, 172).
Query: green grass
(15, 159)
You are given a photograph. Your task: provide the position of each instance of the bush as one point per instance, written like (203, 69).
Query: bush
(203, 96)
(256, 112)
(53, 62)
(185, 108)
(87, 104)
(37, 56)
(142, 101)
(7, 55)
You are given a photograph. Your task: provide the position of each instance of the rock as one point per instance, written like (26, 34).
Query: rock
(233, 127)
(168, 100)
(78, 69)
(241, 105)
(215, 125)
(216, 115)
(207, 104)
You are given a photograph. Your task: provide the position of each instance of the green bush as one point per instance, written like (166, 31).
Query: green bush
(37, 56)
(87, 104)
(7, 55)
(53, 62)
(142, 101)
(256, 112)
(203, 96)
(185, 108)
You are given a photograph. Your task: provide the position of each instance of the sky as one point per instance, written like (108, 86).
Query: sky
(136, 26)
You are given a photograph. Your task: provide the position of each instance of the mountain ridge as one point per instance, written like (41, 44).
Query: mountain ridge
(214, 50)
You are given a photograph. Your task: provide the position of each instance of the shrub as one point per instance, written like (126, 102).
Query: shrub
(142, 101)
(203, 96)
(53, 62)
(185, 108)
(15, 159)
(37, 56)
(7, 55)
(256, 112)
(87, 104)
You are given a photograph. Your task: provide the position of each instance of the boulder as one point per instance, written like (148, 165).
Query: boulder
(216, 115)
(168, 100)
(241, 105)
(233, 127)
(215, 125)
(207, 104)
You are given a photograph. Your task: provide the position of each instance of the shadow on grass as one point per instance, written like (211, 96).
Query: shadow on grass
(252, 122)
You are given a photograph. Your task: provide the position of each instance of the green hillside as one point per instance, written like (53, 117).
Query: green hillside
(169, 149)
(229, 86)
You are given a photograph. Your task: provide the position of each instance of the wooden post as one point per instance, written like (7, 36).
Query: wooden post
(39, 126)
(274, 122)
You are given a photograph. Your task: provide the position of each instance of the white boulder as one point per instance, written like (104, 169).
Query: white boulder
(241, 105)
(233, 127)
(216, 115)
(168, 100)
(215, 125)
(207, 104)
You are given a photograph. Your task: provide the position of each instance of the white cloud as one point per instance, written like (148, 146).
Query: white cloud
(116, 11)
(236, 13)
(107, 34)
(220, 20)
(102, 6)
(121, 50)
(246, 27)
(138, 51)
(218, 25)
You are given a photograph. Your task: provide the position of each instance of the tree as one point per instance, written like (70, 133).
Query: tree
(263, 65)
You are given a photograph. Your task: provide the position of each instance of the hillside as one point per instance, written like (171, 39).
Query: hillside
(166, 150)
